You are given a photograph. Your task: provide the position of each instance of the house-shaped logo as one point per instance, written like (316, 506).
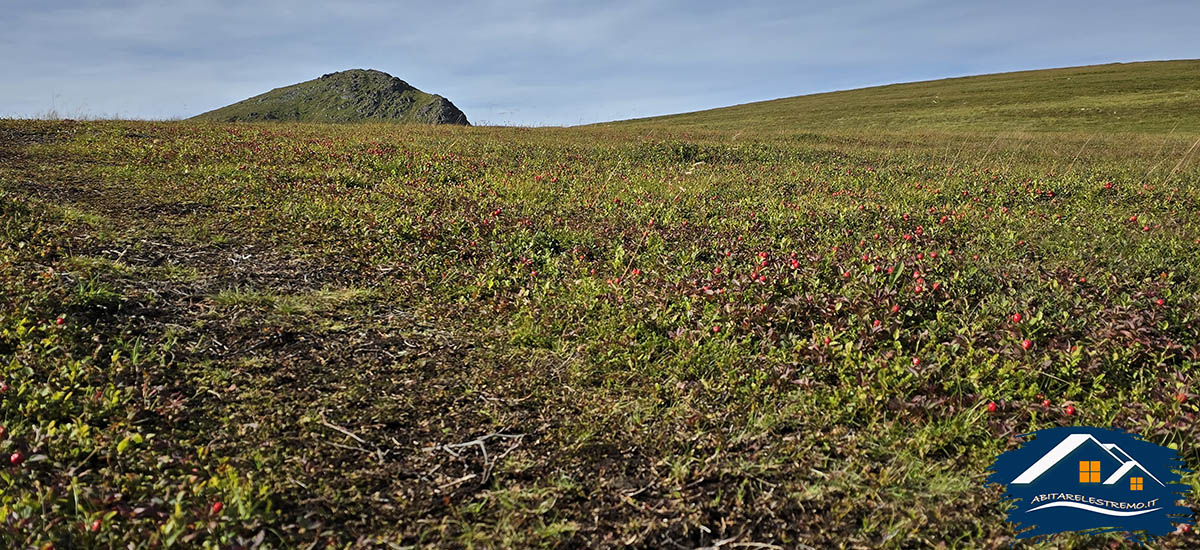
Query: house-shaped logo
(1092, 479)
(1100, 463)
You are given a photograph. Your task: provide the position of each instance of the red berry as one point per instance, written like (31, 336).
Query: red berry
(17, 458)
(1016, 317)
(895, 308)
(60, 321)
(1180, 398)
(716, 329)
(991, 406)
(3, 387)
(217, 507)
(916, 361)
(1045, 402)
(875, 323)
(3, 433)
(1160, 301)
(95, 528)
(1185, 528)
(1026, 344)
(1070, 410)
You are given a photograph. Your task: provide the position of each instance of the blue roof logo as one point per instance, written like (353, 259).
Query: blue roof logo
(1093, 480)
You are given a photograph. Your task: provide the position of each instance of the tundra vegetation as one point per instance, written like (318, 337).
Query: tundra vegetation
(644, 334)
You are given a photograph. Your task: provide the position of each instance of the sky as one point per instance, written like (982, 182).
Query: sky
(538, 63)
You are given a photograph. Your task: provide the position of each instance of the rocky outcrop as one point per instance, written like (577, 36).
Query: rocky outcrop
(348, 96)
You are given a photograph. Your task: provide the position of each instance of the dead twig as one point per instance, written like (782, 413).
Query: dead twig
(489, 463)
(377, 452)
(731, 542)
(331, 426)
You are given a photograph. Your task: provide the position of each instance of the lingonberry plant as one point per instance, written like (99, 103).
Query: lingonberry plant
(237, 336)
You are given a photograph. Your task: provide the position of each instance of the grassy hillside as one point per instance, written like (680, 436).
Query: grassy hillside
(325, 336)
(346, 96)
(1131, 97)
(340, 336)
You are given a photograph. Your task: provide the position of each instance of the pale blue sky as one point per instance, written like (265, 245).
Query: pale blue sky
(549, 63)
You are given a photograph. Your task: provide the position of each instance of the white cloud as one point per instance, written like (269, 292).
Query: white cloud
(547, 62)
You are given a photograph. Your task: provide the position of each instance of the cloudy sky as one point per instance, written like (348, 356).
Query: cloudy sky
(549, 62)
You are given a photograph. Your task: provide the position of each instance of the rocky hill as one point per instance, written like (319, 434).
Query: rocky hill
(348, 96)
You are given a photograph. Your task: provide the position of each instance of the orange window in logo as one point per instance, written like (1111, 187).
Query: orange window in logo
(1089, 471)
(1135, 484)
